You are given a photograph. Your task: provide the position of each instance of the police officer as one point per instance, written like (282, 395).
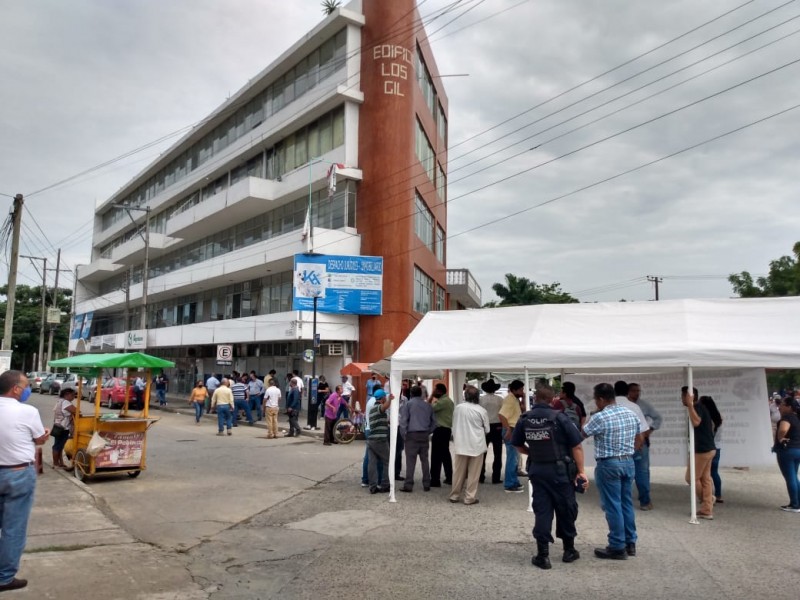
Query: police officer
(555, 468)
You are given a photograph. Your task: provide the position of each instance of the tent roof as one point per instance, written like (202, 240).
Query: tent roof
(384, 367)
(608, 335)
(132, 360)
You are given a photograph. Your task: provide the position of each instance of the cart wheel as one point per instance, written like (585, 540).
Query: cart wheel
(134, 474)
(81, 465)
(344, 431)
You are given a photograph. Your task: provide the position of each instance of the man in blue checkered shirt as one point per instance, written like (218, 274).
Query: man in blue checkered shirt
(616, 431)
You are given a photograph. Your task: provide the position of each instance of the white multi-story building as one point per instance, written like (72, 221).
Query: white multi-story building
(228, 206)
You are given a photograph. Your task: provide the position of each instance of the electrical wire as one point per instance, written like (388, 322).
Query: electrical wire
(494, 221)
(226, 111)
(627, 106)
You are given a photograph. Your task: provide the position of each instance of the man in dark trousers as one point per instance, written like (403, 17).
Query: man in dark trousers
(378, 442)
(416, 424)
(293, 409)
(555, 467)
(492, 403)
(443, 407)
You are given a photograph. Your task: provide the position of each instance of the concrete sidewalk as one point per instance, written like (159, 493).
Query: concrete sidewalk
(76, 549)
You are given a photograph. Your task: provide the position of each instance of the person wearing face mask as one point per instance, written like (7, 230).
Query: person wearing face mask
(21, 430)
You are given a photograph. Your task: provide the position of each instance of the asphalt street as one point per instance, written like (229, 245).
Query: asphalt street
(243, 517)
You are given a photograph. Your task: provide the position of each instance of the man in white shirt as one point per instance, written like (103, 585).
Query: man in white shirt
(272, 403)
(299, 381)
(347, 392)
(470, 426)
(621, 393)
(21, 430)
(138, 388)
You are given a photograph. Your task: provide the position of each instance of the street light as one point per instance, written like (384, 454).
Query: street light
(146, 267)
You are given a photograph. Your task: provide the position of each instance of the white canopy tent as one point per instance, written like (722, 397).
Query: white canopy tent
(604, 337)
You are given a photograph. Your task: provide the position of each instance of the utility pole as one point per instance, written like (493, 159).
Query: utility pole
(44, 309)
(55, 304)
(16, 217)
(146, 266)
(656, 281)
(127, 287)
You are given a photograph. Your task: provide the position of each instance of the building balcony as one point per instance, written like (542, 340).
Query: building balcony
(132, 251)
(269, 256)
(99, 270)
(242, 201)
(463, 289)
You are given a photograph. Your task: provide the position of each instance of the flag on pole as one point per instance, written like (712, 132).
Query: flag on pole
(307, 225)
(332, 179)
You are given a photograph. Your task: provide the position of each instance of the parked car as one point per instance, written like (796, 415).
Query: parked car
(89, 389)
(35, 379)
(55, 385)
(113, 394)
(47, 384)
(71, 383)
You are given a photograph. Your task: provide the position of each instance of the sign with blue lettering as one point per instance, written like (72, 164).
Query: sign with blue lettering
(344, 285)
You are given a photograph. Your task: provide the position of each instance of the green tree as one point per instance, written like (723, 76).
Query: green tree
(27, 323)
(520, 291)
(328, 6)
(783, 279)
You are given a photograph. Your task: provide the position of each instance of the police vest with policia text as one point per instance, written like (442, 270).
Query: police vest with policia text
(540, 435)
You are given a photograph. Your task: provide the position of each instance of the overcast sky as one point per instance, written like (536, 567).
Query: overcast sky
(87, 81)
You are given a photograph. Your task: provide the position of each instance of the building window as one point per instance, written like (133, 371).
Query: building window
(440, 296)
(441, 125)
(440, 244)
(423, 291)
(311, 70)
(426, 83)
(423, 223)
(441, 183)
(425, 152)
(295, 151)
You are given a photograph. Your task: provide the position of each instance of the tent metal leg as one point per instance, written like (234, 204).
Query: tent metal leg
(690, 454)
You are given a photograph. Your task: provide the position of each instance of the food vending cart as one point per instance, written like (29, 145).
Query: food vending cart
(111, 442)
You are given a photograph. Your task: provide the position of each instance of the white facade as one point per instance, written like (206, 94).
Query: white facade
(227, 210)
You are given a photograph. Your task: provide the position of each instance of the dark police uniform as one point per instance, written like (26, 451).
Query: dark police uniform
(550, 436)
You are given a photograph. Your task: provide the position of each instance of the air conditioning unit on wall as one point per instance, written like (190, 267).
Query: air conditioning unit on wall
(334, 349)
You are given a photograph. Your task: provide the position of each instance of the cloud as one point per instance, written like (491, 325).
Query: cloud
(89, 80)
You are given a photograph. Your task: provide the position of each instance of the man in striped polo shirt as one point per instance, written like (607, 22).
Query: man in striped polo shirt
(378, 442)
(240, 400)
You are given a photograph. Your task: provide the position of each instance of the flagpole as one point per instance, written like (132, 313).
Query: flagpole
(310, 211)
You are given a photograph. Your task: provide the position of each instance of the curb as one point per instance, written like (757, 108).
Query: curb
(282, 425)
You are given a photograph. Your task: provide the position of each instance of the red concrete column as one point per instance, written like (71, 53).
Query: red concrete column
(386, 150)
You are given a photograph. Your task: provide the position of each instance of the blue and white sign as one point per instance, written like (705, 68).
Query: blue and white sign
(345, 285)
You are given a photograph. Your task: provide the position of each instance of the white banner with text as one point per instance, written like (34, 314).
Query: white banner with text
(740, 396)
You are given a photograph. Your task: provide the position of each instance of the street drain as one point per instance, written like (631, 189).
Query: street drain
(185, 440)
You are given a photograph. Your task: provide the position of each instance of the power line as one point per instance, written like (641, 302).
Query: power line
(628, 171)
(630, 77)
(228, 110)
(546, 202)
(608, 72)
(401, 193)
(627, 106)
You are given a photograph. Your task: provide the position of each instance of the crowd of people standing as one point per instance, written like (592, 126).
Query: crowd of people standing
(549, 436)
